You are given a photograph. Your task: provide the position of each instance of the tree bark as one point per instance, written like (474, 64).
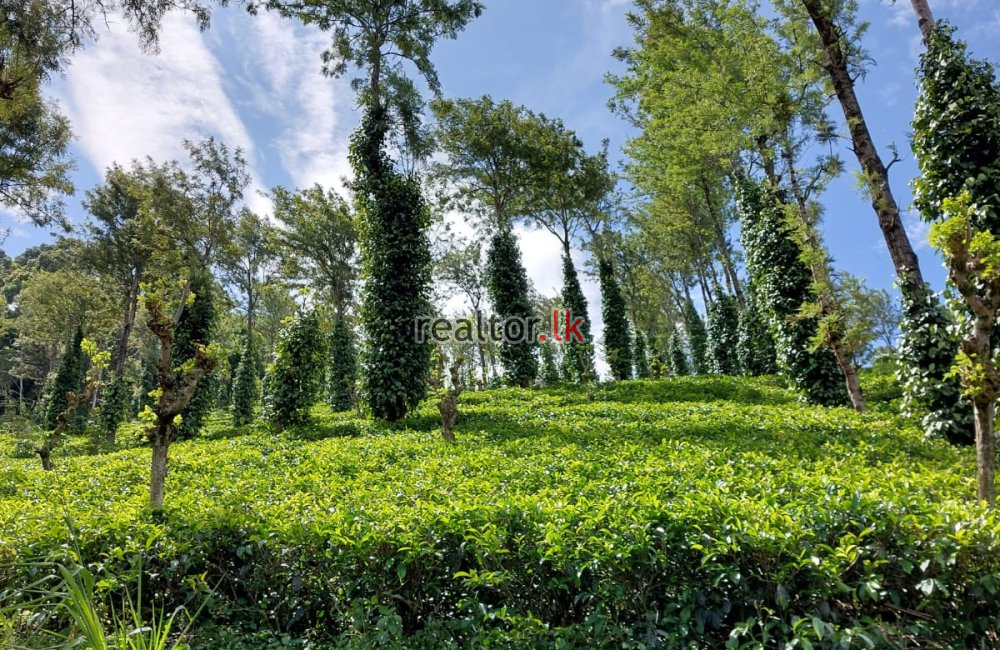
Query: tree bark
(977, 346)
(158, 469)
(925, 19)
(850, 372)
(904, 258)
(725, 250)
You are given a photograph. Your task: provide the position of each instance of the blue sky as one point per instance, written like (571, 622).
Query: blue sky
(256, 83)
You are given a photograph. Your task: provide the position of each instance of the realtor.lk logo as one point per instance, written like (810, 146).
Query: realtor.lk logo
(480, 329)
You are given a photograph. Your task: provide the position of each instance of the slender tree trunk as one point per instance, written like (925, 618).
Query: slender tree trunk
(482, 362)
(725, 250)
(706, 295)
(985, 451)
(977, 346)
(904, 259)
(925, 19)
(128, 324)
(46, 457)
(158, 468)
(121, 349)
(850, 372)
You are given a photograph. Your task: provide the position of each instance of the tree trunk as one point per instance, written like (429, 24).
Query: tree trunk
(850, 372)
(904, 259)
(985, 452)
(158, 468)
(128, 323)
(482, 362)
(121, 349)
(725, 250)
(925, 19)
(45, 453)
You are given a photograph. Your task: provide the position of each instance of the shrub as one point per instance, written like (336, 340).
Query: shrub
(343, 372)
(296, 375)
(680, 513)
(697, 338)
(507, 284)
(723, 335)
(245, 392)
(617, 341)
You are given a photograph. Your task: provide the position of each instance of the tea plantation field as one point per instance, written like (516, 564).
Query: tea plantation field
(695, 513)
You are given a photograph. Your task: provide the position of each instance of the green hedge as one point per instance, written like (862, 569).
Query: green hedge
(694, 512)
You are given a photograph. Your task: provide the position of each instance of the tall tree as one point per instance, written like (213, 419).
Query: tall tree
(377, 37)
(318, 243)
(68, 380)
(37, 39)
(956, 138)
(723, 335)
(194, 213)
(195, 329)
(836, 47)
(245, 389)
(120, 245)
(489, 169)
(463, 267)
(342, 375)
(617, 341)
(249, 261)
(782, 284)
(509, 287)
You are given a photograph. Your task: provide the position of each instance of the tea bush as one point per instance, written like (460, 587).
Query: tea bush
(694, 512)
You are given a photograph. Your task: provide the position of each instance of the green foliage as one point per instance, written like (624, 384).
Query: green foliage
(956, 131)
(956, 139)
(755, 345)
(639, 357)
(782, 285)
(396, 262)
(34, 160)
(697, 337)
(69, 378)
(758, 519)
(507, 284)
(378, 37)
(318, 242)
(147, 384)
(723, 335)
(245, 392)
(296, 376)
(550, 371)
(116, 405)
(617, 341)
(677, 355)
(196, 328)
(342, 375)
(579, 356)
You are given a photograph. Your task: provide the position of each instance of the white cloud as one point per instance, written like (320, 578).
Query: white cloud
(314, 115)
(125, 104)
